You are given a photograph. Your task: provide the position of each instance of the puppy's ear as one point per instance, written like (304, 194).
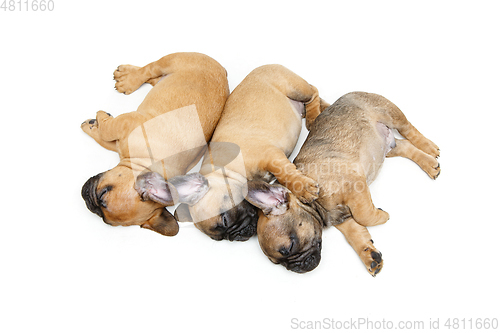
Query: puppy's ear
(188, 189)
(163, 223)
(182, 213)
(152, 186)
(272, 199)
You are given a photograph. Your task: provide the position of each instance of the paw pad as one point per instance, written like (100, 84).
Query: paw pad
(376, 264)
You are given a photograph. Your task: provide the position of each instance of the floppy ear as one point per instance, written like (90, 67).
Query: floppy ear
(272, 199)
(163, 223)
(182, 213)
(188, 189)
(185, 189)
(152, 186)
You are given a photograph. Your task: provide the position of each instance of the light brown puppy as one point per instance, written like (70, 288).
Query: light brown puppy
(190, 90)
(258, 130)
(344, 151)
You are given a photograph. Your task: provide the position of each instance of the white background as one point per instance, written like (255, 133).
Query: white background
(63, 270)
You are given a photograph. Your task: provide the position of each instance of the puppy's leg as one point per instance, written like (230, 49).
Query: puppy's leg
(393, 117)
(129, 78)
(296, 88)
(323, 104)
(111, 129)
(359, 238)
(90, 127)
(154, 81)
(314, 106)
(428, 163)
(122, 70)
(305, 188)
(362, 208)
(407, 130)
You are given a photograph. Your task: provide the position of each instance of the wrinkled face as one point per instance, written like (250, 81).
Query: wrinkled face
(289, 232)
(112, 196)
(292, 240)
(222, 213)
(236, 224)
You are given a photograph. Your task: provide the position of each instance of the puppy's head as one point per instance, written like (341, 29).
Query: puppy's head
(289, 232)
(222, 213)
(121, 200)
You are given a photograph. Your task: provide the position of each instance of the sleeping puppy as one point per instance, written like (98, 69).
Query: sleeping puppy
(344, 151)
(167, 134)
(258, 130)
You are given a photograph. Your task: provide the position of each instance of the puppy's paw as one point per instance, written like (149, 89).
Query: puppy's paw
(102, 116)
(436, 172)
(432, 149)
(89, 125)
(305, 189)
(430, 165)
(434, 169)
(383, 217)
(372, 259)
(127, 79)
(428, 147)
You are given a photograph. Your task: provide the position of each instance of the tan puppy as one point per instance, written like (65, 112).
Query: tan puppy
(190, 90)
(258, 130)
(344, 151)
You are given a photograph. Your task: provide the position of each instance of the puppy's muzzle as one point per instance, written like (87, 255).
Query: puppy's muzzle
(244, 230)
(239, 223)
(304, 262)
(89, 194)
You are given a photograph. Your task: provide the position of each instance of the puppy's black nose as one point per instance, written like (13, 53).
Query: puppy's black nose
(284, 252)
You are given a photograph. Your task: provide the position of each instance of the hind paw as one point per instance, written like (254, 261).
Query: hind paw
(127, 79)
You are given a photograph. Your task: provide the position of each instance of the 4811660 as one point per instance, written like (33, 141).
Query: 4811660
(27, 5)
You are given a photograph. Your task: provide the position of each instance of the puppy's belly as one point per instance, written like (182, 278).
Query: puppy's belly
(299, 108)
(388, 136)
(378, 149)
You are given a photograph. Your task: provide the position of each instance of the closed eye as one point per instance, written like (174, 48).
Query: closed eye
(100, 199)
(294, 240)
(219, 228)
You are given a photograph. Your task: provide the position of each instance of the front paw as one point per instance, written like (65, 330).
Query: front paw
(305, 189)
